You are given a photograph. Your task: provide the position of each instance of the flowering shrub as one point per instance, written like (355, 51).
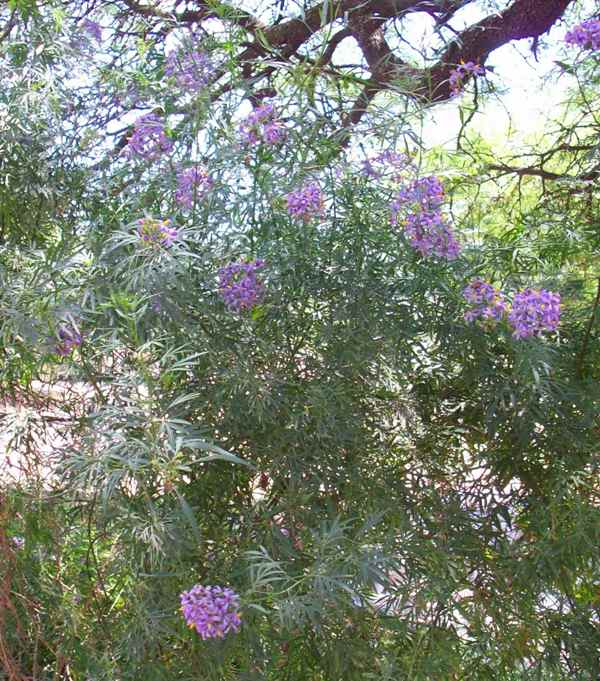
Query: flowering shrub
(533, 312)
(212, 610)
(148, 140)
(349, 454)
(240, 287)
(586, 35)
(154, 232)
(306, 203)
(460, 73)
(191, 70)
(262, 125)
(193, 184)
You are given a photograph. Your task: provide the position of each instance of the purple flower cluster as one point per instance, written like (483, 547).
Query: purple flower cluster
(262, 125)
(306, 202)
(533, 312)
(375, 166)
(462, 71)
(192, 184)
(425, 193)
(586, 35)
(93, 29)
(488, 301)
(192, 71)
(240, 287)
(156, 232)
(427, 230)
(212, 610)
(69, 339)
(148, 140)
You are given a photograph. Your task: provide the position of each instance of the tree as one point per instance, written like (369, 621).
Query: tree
(251, 341)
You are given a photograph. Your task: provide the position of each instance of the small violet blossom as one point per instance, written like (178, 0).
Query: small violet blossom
(154, 232)
(148, 140)
(212, 610)
(262, 125)
(488, 301)
(376, 166)
(533, 312)
(306, 202)
(18, 542)
(93, 29)
(69, 338)
(586, 35)
(240, 287)
(192, 184)
(418, 207)
(192, 71)
(462, 71)
(426, 193)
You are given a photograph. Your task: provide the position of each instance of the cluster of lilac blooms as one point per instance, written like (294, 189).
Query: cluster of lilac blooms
(306, 202)
(462, 71)
(586, 35)
(532, 312)
(420, 203)
(148, 140)
(376, 166)
(193, 184)
(488, 301)
(154, 232)
(192, 70)
(69, 338)
(239, 285)
(212, 610)
(262, 125)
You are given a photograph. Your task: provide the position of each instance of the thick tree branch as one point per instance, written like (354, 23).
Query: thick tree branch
(365, 21)
(522, 19)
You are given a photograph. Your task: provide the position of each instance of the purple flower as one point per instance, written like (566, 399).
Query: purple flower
(69, 339)
(534, 312)
(306, 202)
(17, 542)
(93, 29)
(212, 610)
(488, 301)
(460, 73)
(586, 35)
(375, 166)
(192, 184)
(429, 234)
(427, 230)
(148, 140)
(426, 193)
(191, 70)
(157, 232)
(240, 287)
(262, 125)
